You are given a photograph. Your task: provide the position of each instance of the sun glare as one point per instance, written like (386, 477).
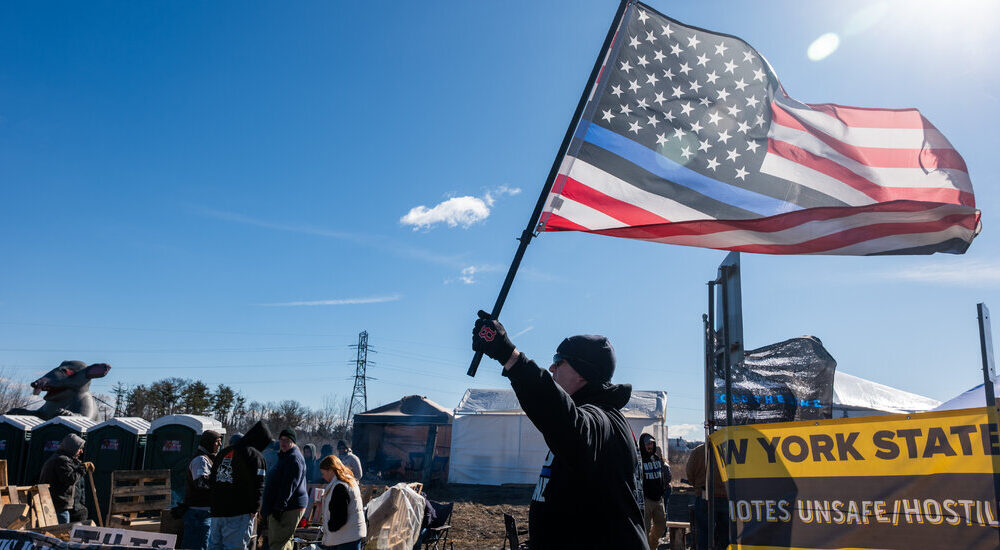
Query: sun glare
(822, 47)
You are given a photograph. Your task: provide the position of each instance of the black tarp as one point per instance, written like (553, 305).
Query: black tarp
(790, 380)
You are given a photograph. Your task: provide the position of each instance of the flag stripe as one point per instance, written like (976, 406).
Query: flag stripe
(559, 223)
(780, 167)
(620, 210)
(833, 169)
(866, 117)
(864, 136)
(662, 166)
(893, 153)
(599, 180)
(651, 183)
(585, 216)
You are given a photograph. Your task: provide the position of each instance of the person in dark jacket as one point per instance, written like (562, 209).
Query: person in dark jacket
(312, 463)
(64, 473)
(655, 488)
(588, 495)
(236, 487)
(197, 496)
(285, 495)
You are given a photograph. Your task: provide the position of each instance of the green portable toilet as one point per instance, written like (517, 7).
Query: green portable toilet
(15, 433)
(172, 442)
(115, 444)
(45, 440)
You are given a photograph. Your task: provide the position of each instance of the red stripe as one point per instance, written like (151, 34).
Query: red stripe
(772, 223)
(625, 212)
(862, 117)
(559, 223)
(927, 159)
(873, 190)
(820, 244)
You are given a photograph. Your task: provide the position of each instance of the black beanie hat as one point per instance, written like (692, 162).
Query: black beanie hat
(208, 437)
(590, 355)
(289, 433)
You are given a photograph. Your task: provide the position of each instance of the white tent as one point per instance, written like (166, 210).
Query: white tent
(854, 396)
(975, 397)
(493, 442)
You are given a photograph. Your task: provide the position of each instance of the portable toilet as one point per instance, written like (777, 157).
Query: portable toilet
(172, 442)
(45, 440)
(15, 433)
(115, 444)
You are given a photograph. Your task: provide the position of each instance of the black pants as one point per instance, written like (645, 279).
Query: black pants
(699, 523)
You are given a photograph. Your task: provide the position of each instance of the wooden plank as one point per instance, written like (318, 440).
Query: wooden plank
(142, 491)
(3, 472)
(48, 509)
(125, 507)
(14, 516)
(139, 475)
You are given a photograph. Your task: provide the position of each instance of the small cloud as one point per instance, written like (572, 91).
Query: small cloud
(529, 329)
(468, 274)
(967, 272)
(690, 432)
(339, 302)
(456, 211)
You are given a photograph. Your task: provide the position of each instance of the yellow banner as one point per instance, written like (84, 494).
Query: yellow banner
(953, 442)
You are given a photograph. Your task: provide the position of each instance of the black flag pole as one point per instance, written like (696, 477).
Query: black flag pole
(529, 231)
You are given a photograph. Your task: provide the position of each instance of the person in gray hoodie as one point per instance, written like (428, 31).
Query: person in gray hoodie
(64, 473)
(312, 464)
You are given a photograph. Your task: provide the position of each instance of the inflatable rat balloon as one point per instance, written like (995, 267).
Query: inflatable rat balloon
(67, 391)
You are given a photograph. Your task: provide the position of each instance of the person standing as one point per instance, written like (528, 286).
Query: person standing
(236, 487)
(197, 516)
(342, 516)
(312, 463)
(589, 495)
(285, 495)
(349, 459)
(655, 488)
(64, 473)
(697, 475)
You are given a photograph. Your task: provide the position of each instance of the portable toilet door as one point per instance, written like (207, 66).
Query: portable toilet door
(115, 444)
(172, 442)
(45, 440)
(15, 433)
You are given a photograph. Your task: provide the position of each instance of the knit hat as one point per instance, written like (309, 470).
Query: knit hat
(208, 438)
(71, 443)
(590, 355)
(343, 443)
(289, 433)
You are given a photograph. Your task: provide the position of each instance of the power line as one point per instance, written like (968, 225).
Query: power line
(359, 396)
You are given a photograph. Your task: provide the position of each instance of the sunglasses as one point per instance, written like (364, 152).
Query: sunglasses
(556, 359)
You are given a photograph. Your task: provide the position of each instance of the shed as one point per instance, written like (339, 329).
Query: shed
(45, 440)
(409, 439)
(15, 434)
(115, 444)
(171, 443)
(494, 443)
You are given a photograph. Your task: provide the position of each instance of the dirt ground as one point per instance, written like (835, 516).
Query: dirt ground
(477, 520)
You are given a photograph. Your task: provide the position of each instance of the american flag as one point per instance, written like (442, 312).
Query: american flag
(688, 138)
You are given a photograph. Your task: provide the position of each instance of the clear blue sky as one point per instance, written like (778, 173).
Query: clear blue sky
(171, 171)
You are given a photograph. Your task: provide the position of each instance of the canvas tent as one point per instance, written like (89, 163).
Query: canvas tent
(494, 443)
(403, 439)
(975, 397)
(855, 396)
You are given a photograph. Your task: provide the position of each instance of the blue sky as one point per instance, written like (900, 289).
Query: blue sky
(226, 191)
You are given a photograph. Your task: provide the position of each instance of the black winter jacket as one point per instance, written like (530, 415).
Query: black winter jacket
(64, 474)
(588, 495)
(237, 481)
(655, 472)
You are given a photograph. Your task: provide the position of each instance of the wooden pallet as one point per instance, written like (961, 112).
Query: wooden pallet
(137, 496)
(27, 507)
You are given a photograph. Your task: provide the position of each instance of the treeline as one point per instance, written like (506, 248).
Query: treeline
(228, 406)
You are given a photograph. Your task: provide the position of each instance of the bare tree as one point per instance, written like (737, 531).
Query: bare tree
(13, 391)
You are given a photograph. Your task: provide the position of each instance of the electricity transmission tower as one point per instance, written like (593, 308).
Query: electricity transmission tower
(359, 397)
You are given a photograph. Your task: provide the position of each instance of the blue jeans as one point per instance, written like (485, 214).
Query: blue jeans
(230, 533)
(356, 545)
(63, 516)
(196, 526)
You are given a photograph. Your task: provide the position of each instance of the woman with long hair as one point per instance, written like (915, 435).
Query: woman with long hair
(343, 512)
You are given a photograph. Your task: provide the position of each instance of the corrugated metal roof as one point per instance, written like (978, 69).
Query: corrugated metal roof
(22, 421)
(195, 422)
(132, 424)
(78, 423)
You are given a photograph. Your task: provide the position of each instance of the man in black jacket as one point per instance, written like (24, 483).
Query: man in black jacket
(237, 485)
(64, 472)
(655, 487)
(588, 495)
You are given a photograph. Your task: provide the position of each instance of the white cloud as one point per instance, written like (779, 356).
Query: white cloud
(456, 211)
(339, 302)
(468, 274)
(525, 331)
(960, 272)
(690, 432)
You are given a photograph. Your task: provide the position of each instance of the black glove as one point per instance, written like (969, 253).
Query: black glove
(490, 337)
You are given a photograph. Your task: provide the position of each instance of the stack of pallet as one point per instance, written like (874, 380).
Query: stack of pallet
(26, 507)
(138, 497)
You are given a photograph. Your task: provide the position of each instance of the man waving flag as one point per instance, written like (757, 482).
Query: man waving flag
(688, 138)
